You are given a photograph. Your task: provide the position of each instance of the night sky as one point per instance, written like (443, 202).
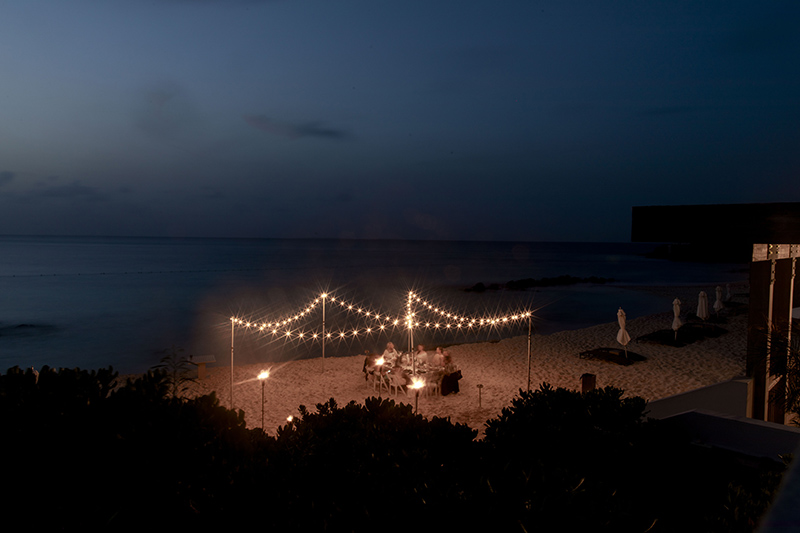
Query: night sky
(514, 120)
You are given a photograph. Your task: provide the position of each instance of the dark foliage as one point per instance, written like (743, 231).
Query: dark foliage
(178, 371)
(371, 466)
(84, 454)
(567, 461)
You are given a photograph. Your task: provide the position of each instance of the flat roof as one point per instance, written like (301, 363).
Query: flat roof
(777, 223)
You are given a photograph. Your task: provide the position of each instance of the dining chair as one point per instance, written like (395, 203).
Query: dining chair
(379, 382)
(397, 384)
(433, 385)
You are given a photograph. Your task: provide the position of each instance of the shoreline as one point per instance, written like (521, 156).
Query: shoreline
(501, 367)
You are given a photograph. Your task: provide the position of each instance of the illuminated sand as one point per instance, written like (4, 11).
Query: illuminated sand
(502, 370)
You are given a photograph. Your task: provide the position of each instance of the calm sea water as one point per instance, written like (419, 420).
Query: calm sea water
(94, 302)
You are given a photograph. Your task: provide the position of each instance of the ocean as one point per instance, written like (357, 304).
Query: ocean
(94, 302)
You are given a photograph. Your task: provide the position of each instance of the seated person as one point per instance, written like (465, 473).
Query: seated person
(437, 360)
(402, 376)
(390, 354)
(369, 364)
(421, 355)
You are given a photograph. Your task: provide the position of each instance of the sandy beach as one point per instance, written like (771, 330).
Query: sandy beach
(501, 367)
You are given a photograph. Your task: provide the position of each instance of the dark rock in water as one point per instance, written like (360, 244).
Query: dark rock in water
(559, 281)
(478, 287)
(529, 283)
(24, 330)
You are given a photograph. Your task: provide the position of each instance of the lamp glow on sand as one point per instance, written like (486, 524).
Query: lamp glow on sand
(416, 384)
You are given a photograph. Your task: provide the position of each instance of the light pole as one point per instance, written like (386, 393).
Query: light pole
(529, 351)
(263, 378)
(233, 323)
(324, 295)
(410, 323)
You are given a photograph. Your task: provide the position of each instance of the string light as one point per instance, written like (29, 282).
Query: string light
(454, 320)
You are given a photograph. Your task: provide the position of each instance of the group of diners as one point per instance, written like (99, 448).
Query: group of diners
(438, 370)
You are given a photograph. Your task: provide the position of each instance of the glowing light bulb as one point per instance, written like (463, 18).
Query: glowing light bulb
(263, 375)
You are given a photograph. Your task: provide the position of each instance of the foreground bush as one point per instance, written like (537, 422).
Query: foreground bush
(82, 452)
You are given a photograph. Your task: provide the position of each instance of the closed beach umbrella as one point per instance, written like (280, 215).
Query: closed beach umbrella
(718, 303)
(702, 306)
(729, 296)
(676, 322)
(622, 336)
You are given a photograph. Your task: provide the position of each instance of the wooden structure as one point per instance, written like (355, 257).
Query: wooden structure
(773, 231)
(201, 362)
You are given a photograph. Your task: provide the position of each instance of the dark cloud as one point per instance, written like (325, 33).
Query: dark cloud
(71, 191)
(294, 131)
(6, 176)
(164, 110)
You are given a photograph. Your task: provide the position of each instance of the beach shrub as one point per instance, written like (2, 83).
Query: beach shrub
(177, 370)
(80, 453)
(562, 460)
(368, 467)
